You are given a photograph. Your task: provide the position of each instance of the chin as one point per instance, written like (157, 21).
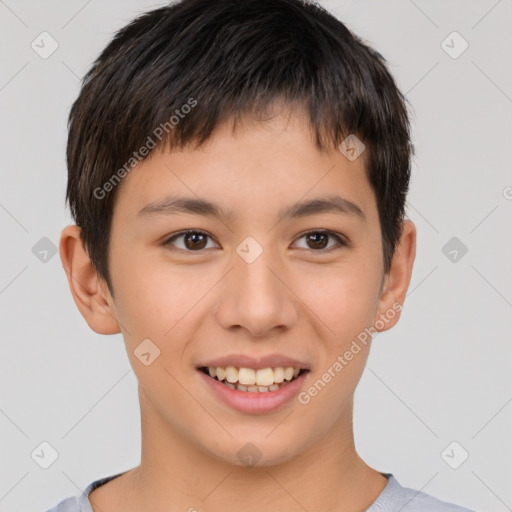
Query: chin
(256, 450)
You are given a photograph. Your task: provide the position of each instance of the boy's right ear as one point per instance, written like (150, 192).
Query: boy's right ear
(90, 293)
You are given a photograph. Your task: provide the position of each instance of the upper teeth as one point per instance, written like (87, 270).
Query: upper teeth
(251, 377)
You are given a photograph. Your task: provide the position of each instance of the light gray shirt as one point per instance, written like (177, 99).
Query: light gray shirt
(393, 498)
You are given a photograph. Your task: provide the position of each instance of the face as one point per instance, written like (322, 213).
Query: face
(256, 279)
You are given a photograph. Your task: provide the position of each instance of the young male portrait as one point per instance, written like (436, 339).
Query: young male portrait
(238, 179)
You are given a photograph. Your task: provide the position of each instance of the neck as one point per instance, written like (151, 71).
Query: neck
(328, 475)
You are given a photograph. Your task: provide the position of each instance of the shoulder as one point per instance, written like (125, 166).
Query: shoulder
(67, 505)
(396, 497)
(417, 500)
(81, 503)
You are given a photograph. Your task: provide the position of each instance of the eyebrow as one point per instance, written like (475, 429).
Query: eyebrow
(197, 206)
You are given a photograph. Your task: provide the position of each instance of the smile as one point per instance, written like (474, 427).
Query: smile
(263, 380)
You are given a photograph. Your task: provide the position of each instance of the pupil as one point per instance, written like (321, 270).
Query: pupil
(318, 240)
(315, 236)
(194, 237)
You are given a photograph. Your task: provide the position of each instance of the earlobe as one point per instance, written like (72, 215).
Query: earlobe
(398, 278)
(90, 294)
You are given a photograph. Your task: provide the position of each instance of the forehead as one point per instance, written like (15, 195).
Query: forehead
(262, 166)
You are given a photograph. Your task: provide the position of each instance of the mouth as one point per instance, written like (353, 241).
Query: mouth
(250, 380)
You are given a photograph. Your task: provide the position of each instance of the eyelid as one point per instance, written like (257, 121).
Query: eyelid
(167, 241)
(342, 241)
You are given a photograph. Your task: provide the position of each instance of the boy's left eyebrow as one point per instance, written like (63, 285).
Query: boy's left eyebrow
(194, 205)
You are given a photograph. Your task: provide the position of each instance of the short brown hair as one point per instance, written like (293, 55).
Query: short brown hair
(233, 59)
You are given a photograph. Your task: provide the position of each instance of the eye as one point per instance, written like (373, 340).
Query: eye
(318, 240)
(193, 241)
(196, 241)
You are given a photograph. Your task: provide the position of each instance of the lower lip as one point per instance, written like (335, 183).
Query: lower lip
(254, 402)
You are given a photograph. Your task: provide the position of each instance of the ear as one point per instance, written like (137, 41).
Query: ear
(90, 292)
(396, 281)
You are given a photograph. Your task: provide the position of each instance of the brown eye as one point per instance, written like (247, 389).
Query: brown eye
(318, 240)
(193, 241)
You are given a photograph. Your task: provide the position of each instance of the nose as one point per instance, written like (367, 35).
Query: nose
(257, 298)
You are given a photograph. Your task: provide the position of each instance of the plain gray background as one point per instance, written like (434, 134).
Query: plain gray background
(441, 375)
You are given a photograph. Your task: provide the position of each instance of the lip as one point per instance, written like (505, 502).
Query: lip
(254, 402)
(256, 363)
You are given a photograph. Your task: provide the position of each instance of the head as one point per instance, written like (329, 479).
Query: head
(236, 121)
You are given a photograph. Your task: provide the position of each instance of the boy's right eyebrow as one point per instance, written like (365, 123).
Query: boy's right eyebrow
(198, 206)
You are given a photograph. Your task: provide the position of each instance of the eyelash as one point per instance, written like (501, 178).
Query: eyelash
(341, 241)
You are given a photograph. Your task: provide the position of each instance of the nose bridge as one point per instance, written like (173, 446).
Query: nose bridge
(256, 280)
(255, 297)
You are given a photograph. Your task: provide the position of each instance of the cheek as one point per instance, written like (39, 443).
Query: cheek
(346, 300)
(328, 395)
(342, 301)
(153, 300)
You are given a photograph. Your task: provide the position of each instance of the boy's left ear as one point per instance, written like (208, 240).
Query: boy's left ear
(396, 281)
